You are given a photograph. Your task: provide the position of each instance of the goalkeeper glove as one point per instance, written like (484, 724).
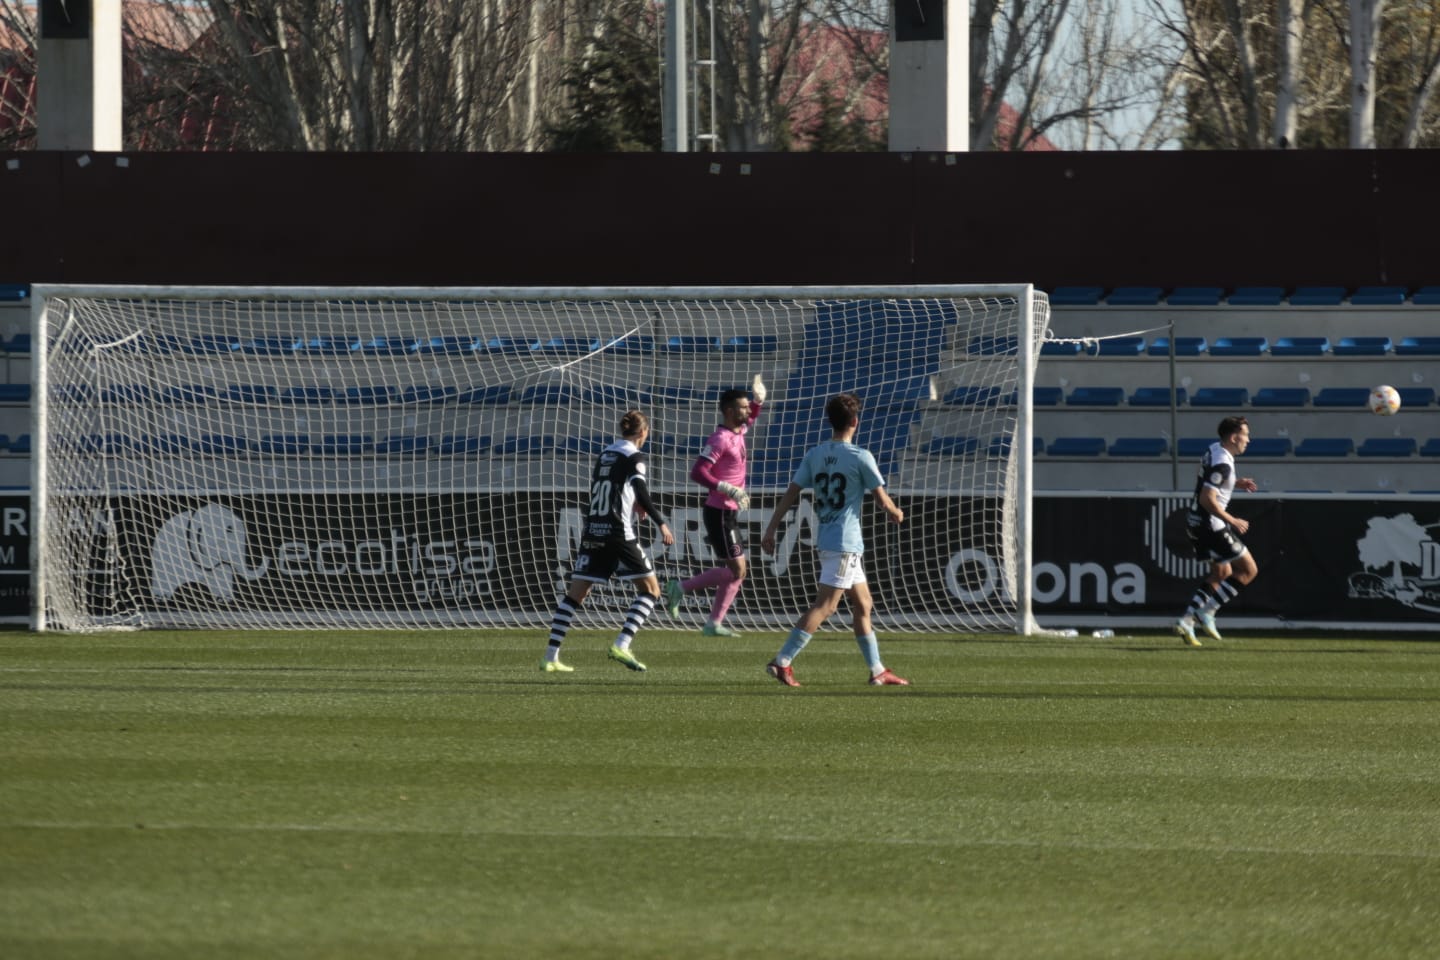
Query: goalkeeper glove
(757, 389)
(741, 498)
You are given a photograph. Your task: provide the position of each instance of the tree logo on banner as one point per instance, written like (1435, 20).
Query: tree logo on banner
(1400, 561)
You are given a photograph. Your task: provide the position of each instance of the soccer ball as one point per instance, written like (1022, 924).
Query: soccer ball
(1385, 400)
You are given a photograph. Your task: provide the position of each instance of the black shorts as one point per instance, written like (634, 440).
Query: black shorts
(722, 532)
(599, 560)
(1215, 546)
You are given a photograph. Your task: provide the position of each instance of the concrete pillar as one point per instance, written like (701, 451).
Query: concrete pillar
(78, 79)
(930, 75)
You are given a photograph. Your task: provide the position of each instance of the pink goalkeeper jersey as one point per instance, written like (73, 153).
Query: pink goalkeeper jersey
(725, 449)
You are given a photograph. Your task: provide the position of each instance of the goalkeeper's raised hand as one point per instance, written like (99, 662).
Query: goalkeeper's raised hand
(741, 498)
(758, 389)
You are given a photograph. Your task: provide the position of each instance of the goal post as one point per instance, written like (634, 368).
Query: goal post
(351, 457)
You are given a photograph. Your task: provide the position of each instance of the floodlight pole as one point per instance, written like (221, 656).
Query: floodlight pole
(675, 119)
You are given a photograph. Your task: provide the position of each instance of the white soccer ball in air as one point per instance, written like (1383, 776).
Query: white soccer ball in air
(1385, 400)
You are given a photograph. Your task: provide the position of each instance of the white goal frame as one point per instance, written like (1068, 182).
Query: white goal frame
(1027, 332)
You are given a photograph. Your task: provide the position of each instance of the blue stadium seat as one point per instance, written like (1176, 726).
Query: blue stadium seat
(568, 346)
(1000, 446)
(1418, 346)
(1134, 296)
(20, 444)
(1121, 347)
(308, 395)
(1195, 296)
(118, 393)
(14, 291)
(1426, 296)
(1268, 447)
(1431, 448)
(164, 443)
(609, 393)
(1239, 347)
(586, 445)
(344, 444)
(1342, 397)
(255, 394)
(19, 343)
(951, 446)
(279, 346)
(387, 346)
(547, 393)
(213, 343)
(1076, 447)
(1412, 397)
(403, 445)
(1060, 348)
(510, 345)
(1139, 447)
(1325, 447)
(493, 395)
(761, 344)
(1257, 296)
(1317, 296)
(1386, 447)
(220, 445)
(448, 346)
(1184, 346)
(992, 346)
(1076, 296)
(1042, 397)
(1281, 397)
(972, 396)
(371, 394)
(1157, 397)
(634, 344)
(428, 393)
(1368, 296)
(1096, 397)
(15, 392)
(284, 444)
(1300, 347)
(327, 346)
(520, 445)
(459, 445)
(689, 344)
(1220, 397)
(1362, 347)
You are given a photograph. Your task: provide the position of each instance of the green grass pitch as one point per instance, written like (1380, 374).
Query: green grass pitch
(432, 794)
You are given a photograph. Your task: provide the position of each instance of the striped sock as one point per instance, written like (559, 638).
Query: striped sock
(565, 612)
(635, 618)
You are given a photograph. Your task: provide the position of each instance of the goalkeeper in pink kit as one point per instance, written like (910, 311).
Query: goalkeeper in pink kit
(721, 469)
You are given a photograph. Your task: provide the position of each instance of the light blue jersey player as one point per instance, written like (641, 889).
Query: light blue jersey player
(840, 474)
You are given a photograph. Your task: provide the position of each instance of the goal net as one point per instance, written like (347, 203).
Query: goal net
(302, 458)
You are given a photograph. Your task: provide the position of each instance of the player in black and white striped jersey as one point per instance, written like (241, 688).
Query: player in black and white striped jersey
(1214, 531)
(610, 545)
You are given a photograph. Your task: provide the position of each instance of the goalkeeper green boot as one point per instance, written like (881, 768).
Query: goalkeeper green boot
(673, 594)
(627, 658)
(713, 629)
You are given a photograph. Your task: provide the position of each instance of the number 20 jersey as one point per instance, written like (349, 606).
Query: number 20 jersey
(616, 486)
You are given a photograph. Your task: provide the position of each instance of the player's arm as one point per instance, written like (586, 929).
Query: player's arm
(758, 393)
(703, 473)
(647, 507)
(883, 499)
(1210, 502)
(787, 500)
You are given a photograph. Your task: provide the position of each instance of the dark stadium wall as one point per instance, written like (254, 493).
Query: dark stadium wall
(1109, 219)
